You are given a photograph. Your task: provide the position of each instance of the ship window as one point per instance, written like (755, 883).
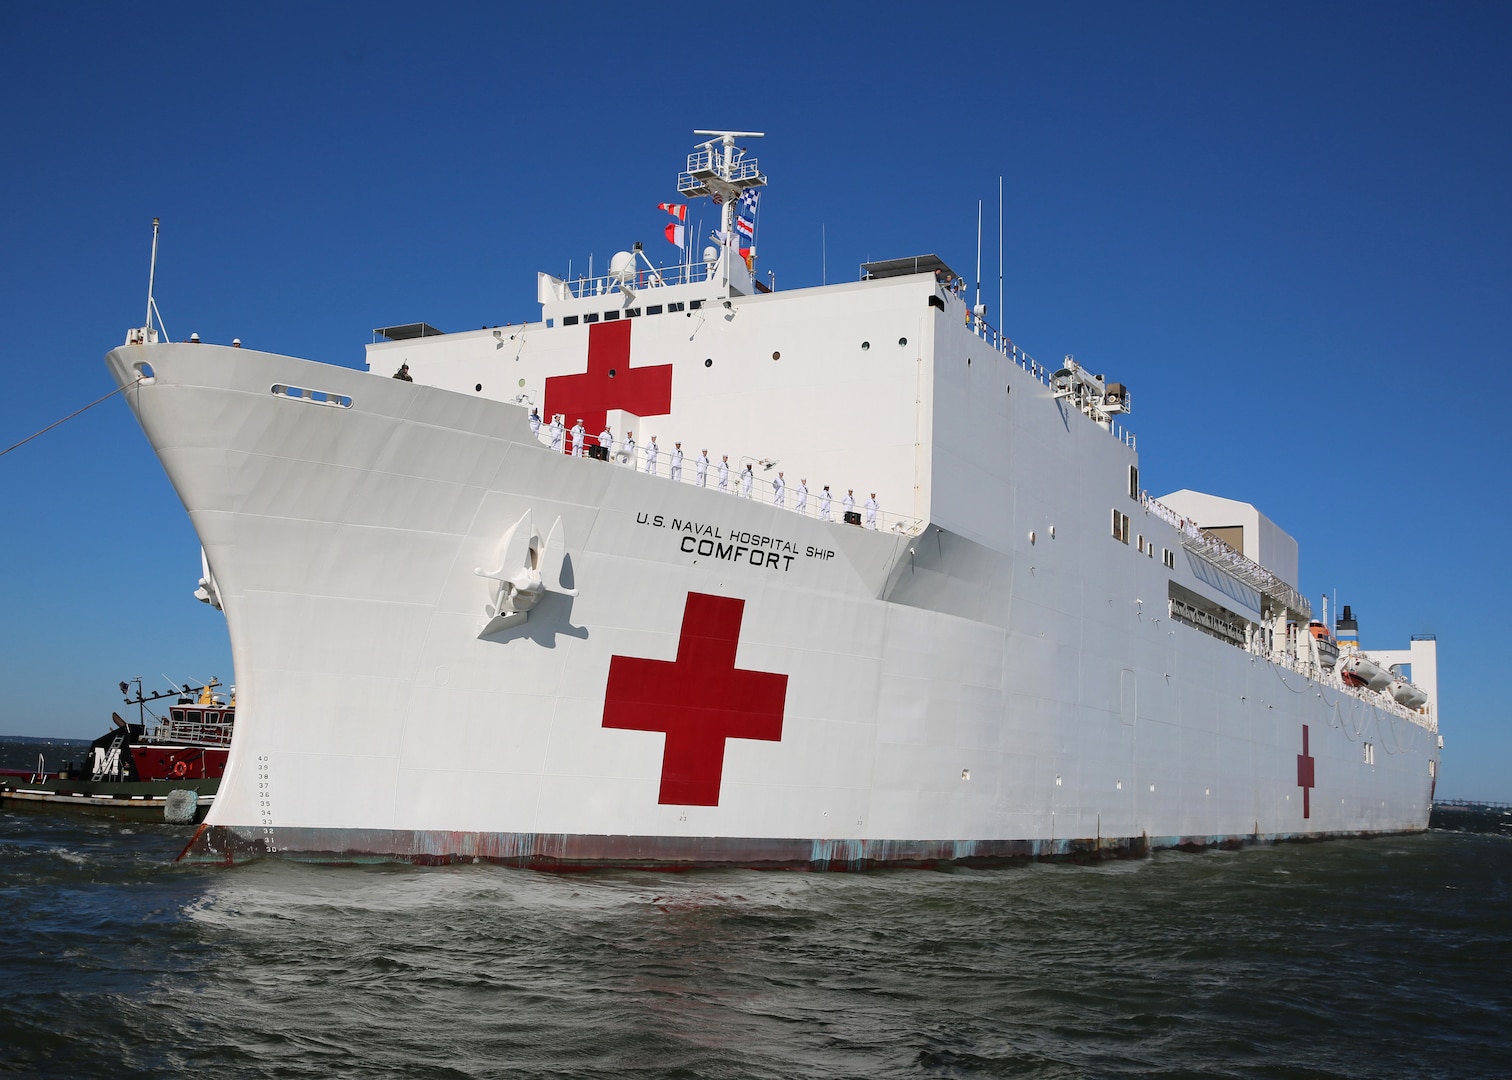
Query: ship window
(550, 323)
(1141, 543)
(1121, 526)
(653, 309)
(194, 716)
(676, 305)
(935, 301)
(631, 312)
(610, 316)
(592, 316)
(1168, 557)
(1133, 481)
(1370, 753)
(695, 304)
(569, 320)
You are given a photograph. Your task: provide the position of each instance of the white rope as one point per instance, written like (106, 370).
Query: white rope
(70, 416)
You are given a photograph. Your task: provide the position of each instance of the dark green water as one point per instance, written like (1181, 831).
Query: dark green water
(1377, 958)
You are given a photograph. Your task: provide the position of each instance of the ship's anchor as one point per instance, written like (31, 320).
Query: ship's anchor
(208, 591)
(529, 568)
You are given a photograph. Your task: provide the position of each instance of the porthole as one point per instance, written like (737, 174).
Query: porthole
(709, 362)
(522, 384)
(479, 388)
(865, 345)
(611, 373)
(776, 356)
(968, 361)
(902, 341)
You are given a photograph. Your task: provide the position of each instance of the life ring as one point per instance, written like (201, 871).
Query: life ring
(180, 769)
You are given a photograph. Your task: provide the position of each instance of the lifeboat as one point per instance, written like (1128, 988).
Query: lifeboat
(1407, 694)
(1328, 649)
(1360, 670)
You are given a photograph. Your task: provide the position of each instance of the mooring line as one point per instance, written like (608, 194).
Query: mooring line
(71, 415)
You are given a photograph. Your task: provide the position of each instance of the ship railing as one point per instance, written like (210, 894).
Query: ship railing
(707, 164)
(763, 488)
(583, 288)
(1005, 345)
(1219, 554)
(215, 733)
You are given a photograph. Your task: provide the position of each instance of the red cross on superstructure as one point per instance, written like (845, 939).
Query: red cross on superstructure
(700, 700)
(1305, 775)
(609, 383)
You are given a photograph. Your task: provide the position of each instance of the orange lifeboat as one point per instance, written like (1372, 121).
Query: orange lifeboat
(1328, 649)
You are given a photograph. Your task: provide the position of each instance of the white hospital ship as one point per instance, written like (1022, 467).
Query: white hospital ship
(457, 638)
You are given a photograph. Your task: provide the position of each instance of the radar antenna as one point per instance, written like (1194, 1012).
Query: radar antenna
(719, 168)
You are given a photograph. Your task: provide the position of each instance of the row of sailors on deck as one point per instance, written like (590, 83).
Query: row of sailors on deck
(576, 441)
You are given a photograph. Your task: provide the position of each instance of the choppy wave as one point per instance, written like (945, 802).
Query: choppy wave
(1373, 958)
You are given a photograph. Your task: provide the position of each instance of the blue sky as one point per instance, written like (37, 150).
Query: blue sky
(1286, 227)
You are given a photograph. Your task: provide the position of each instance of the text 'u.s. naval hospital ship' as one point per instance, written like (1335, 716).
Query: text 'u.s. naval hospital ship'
(665, 637)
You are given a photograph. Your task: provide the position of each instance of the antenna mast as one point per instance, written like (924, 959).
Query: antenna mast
(146, 335)
(718, 168)
(152, 272)
(978, 311)
(1001, 318)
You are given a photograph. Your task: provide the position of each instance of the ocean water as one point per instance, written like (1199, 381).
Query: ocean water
(1378, 958)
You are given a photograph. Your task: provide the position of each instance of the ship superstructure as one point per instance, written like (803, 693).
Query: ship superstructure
(983, 640)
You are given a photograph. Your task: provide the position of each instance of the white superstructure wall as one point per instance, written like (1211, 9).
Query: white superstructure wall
(827, 384)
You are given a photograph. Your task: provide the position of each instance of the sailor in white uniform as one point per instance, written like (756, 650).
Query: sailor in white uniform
(677, 462)
(535, 422)
(724, 473)
(779, 491)
(606, 440)
(579, 445)
(556, 431)
(848, 504)
(701, 470)
(802, 505)
(871, 511)
(747, 478)
(651, 451)
(629, 450)
(824, 504)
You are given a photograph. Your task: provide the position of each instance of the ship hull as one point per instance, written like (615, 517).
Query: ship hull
(230, 845)
(942, 699)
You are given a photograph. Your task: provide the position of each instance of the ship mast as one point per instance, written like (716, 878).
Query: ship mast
(152, 271)
(719, 168)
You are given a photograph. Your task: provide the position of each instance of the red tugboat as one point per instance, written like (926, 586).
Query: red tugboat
(159, 768)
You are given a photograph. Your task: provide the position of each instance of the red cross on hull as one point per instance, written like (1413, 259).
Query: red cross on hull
(699, 701)
(1305, 765)
(609, 383)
